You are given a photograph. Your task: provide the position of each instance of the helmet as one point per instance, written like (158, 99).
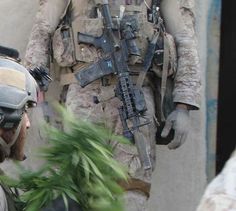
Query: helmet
(10, 52)
(18, 89)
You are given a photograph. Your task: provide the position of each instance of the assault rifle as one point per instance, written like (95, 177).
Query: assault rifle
(116, 52)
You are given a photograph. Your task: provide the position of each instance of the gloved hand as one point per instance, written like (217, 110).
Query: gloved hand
(179, 121)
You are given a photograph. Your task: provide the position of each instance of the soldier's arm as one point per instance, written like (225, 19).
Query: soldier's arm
(46, 21)
(179, 22)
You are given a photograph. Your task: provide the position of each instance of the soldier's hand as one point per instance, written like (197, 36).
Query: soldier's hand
(179, 121)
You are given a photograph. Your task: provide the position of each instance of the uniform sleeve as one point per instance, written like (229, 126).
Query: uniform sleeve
(46, 21)
(220, 194)
(179, 21)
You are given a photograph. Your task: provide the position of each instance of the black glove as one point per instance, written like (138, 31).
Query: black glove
(41, 75)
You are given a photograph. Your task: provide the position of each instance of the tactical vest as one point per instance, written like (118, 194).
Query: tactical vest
(85, 18)
(94, 26)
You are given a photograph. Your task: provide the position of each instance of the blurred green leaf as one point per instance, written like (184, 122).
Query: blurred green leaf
(78, 165)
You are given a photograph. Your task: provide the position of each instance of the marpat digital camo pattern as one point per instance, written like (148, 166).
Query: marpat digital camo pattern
(220, 194)
(80, 100)
(187, 81)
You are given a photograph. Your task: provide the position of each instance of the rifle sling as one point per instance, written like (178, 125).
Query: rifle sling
(164, 74)
(134, 184)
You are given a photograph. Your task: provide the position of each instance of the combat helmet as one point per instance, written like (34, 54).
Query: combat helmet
(18, 89)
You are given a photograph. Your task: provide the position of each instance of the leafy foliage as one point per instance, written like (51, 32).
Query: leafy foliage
(78, 166)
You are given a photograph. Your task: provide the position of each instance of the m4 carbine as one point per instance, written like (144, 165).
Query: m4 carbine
(116, 52)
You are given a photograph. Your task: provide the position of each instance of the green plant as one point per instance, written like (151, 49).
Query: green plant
(78, 165)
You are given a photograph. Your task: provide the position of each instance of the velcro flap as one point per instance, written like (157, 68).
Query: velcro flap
(12, 78)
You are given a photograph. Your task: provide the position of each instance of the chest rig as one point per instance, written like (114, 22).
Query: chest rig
(84, 17)
(89, 21)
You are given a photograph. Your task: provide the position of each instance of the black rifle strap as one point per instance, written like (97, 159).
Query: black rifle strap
(157, 2)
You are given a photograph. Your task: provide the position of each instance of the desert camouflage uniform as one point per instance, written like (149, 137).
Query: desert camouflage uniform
(80, 100)
(220, 194)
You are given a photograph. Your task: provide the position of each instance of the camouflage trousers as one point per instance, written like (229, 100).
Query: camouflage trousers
(81, 102)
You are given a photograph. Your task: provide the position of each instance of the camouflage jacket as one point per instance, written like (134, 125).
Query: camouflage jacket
(220, 194)
(187, 80)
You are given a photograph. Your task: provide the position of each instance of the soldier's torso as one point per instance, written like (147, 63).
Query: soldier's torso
(86, 19)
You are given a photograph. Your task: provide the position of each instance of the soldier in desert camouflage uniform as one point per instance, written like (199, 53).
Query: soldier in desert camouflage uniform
(220, 194)
(179, 22)
(18, 93)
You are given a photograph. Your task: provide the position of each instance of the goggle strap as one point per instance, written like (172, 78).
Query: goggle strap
(7, 147)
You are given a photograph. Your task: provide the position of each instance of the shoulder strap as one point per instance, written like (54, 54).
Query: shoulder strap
(65, 11)
(158, 3)
(164, 74)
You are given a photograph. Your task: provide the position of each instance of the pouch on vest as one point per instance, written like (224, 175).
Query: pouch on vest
(62, 45)
(62, 40)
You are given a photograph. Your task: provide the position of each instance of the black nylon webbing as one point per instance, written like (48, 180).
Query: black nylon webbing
(156, 2)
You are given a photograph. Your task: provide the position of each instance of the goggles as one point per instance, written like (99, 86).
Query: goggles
(10, 118)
